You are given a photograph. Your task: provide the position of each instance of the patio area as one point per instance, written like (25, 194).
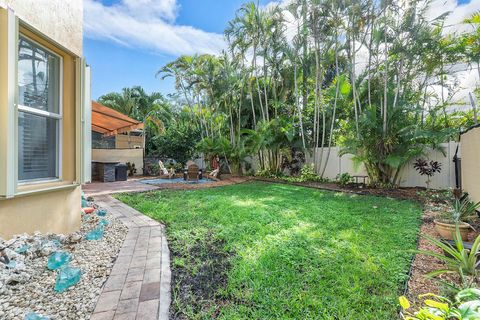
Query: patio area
(134, 185)
(103, 188)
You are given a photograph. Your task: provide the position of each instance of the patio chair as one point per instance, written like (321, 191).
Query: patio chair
(162, 168)
(193, 172)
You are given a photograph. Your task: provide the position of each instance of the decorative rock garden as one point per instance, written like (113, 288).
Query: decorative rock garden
(54, 276)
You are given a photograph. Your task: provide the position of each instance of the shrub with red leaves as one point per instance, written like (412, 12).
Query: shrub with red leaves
(426, 168)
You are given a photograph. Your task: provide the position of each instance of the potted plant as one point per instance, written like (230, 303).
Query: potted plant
(463, 210)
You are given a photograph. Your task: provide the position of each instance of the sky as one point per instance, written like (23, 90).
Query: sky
(127, 41)
(170, 29)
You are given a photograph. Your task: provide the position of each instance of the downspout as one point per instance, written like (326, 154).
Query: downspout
(458, 170)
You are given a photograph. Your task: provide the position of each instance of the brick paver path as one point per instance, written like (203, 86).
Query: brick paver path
(138, 287)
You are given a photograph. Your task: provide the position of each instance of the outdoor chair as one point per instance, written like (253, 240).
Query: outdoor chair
(193, 172)
(163, 170)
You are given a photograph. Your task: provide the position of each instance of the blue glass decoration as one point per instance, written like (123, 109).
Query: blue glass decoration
(95, 234)
(66, 278)
(101, 212)
(22, 249)
(35, 316)
(57, 260)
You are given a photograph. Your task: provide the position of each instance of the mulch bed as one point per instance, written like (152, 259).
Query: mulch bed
(398, 193)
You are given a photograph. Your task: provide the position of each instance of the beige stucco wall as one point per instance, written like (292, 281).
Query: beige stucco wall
(60, 20)
(57, 212)
(50, 206)
(120, 155)
(470, 147)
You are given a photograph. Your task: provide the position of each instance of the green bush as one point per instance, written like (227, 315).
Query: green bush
(344, 178)
(460, 260)
(178, 167)
(152, 169)
(268, 174)
(307, 173)
(465, 307)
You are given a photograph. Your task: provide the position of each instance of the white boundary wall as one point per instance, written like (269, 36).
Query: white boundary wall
(409, 177)
(120, 155)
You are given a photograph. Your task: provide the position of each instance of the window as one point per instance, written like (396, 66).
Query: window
(39, 112)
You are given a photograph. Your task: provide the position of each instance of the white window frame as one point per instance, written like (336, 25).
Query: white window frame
(47, 114)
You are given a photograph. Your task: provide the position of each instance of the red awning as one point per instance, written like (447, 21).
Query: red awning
(111, 122)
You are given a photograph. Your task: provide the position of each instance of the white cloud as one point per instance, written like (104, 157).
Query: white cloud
(467, 79)
(458, 12)
(148, 24)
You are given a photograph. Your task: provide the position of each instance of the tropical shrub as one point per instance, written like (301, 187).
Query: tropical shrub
(307, 173)
(177, 142)
(177, 166)
(384, 152)
(466, 306)
(343, 179)
(462, 210)
(458, 260)
(425, 168)
(131, 168)
(151, 169)
(233, 154)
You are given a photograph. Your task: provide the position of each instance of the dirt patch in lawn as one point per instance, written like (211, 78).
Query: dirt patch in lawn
(198, 274)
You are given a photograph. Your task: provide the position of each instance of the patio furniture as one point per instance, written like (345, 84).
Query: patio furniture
(162, 168)
(193, 173)
(362, 178)
(121, 172)
(104, 171)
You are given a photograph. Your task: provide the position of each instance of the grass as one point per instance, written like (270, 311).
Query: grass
(271, 251)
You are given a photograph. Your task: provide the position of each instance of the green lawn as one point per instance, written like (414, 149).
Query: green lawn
(271, 251)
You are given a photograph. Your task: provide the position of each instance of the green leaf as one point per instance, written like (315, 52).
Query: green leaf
(468, 294)
(404, 302)
(470, 310)
(345, 87)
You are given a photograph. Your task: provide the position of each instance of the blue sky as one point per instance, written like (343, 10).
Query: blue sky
(116, 65)
(127, 41)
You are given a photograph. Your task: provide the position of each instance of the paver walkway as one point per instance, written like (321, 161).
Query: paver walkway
(104, 188)
(138, 287)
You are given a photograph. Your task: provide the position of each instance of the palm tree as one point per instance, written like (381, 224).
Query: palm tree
(123, 102)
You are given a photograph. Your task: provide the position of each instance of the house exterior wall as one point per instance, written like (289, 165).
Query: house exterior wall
(470, 147)
(57, 212)
(120, 155)
(59, 20)
(52, 206)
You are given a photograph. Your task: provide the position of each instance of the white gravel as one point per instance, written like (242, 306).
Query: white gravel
(29, 287)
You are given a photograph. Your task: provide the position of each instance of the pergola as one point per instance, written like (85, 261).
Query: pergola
(110, 122)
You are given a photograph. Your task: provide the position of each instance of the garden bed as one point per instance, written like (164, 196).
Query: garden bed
(29, 286)
(258, 250)
(418, 283)
(415, 194)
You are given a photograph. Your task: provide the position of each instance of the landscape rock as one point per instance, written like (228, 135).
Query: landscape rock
(29, 287)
